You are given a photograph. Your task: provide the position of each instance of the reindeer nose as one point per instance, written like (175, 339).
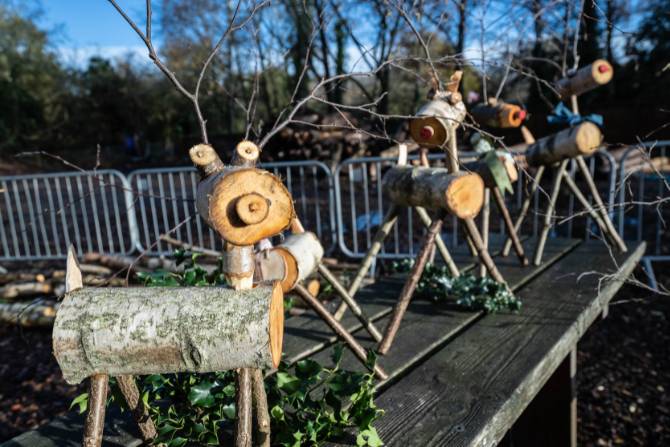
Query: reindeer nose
(603, 68)
(427, 132)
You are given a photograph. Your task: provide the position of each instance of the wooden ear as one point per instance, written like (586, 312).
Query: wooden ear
(73, 280)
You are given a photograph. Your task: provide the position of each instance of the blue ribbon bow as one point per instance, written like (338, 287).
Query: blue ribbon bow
(562, 116)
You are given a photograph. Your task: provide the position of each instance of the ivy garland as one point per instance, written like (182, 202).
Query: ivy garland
(466, 291)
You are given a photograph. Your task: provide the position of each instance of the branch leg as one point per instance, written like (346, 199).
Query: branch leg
(502, 207)
(549, 214)
(525, 206)
(482, 252)
(353, 305)
(378, 241)
(337, 327)
(95, 417)
(441, 246)
(260, 405)
(486, 217)
(243, 432)
(611, 231)
(585, 203)
(137, 408)
(409, 287)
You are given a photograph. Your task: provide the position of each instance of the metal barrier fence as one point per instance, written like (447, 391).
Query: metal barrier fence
(361, 207)
(165, 201)
(642, 208)
(42, 214)
(107, 212)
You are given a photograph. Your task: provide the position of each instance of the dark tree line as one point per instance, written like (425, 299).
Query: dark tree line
(371, 50)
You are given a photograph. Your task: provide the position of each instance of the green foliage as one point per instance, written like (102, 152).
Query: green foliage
(309, 403)
(466, 291)
(313, 404)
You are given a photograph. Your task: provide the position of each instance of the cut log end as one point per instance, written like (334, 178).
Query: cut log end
(276, 325)
(465, 196)
(243, 225)
(602, 71)
(588, 138)
(247, 151)
(428, 131)
(205, 158)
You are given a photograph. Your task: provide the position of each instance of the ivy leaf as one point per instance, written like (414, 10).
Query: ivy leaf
(369, 437)
(81, 401)
(229, 411)
(287, 382)
(201, 394)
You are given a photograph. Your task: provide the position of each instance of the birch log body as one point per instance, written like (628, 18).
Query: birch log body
(292, 261)
(501, 115)
(587, 78)
(151, 330)
(269, 207)
(583, 139)
(461, 194)
(431, 126)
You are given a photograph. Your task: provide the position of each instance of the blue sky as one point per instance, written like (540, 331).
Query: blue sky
(88, 27)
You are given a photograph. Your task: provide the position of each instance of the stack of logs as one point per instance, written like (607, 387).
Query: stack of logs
(28, 297)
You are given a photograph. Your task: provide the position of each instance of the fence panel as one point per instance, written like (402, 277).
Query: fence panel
(165, 202)
(43, 214)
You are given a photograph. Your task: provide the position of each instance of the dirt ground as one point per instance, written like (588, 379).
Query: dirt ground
(623, 376)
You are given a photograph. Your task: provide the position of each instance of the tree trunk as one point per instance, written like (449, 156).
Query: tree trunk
(151, 330)
(461, 194)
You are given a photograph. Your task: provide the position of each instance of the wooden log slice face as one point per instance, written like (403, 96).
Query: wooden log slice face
(247, 205)
(465, 196)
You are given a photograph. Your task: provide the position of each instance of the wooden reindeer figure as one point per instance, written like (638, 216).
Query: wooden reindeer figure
(244, 205)
(572, 143)
(101, 332)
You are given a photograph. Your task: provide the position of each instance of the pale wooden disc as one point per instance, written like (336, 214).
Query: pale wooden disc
(247, 150)
(465, 195)
(252, 208)
(276, 325)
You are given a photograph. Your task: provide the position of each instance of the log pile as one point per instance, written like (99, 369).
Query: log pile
(29, 297)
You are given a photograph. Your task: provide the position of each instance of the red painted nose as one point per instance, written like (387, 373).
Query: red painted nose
(602, 68)
(427, 132)
(521, 114)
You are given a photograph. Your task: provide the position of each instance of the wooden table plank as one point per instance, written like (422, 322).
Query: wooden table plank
(307, 334)
(427, 326)
(470, 392)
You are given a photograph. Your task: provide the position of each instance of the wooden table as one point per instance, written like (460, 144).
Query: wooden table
(462, 378)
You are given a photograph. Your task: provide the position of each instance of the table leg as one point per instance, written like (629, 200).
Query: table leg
(551, 418)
